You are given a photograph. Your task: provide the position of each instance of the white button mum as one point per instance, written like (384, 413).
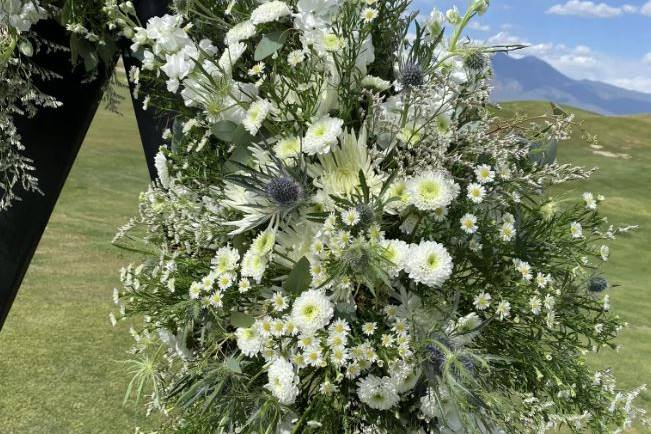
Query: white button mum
(321, 135)
(429, 263)
(432, 190)
(283, 381)
(255, 116)
(249, 341)
(269, 12)
(377, 393)
(312, 311)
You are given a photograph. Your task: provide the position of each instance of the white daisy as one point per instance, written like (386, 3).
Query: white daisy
(432, 190)
(243, 286)
(216, 299)
(484, 174)
(482, 301)
(287, 148)
(369, 14)
(279, 302)
(507, 231)
(429, 264)
(535, 304)
(523, 268)
(604, 252)
(469, 224)
(321, 135)
(476, 192)
(590, 202)
(503, 310)
(225, 260)
(576, 230)
(350, 217)
(369, 328)
(312, 311)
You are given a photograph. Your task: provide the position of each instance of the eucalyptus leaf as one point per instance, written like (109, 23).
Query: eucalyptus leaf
(269, 44)
(299, 278)
(240, 319)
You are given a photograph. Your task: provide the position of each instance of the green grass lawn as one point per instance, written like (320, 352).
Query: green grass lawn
(58, 353)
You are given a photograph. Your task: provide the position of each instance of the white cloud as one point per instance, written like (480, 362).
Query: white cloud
(476, 25)
(646, 9)
(591, 9)
(647, 58)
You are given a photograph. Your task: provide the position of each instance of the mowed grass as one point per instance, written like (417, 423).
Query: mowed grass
(58, 352)
(59, 370)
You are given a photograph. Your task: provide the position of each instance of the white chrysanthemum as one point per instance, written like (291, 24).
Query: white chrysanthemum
(269, 12)
(535, 304)
(312, 311)
(287, 148)
(482, 301)
(216, 299)
(225, 260)
(230, 56)
(255, 115)
(484, 174)
(395, 251)
(331, 42)
(249, 341)
(604, 252)
(240, 32)
(469, 224)
(432, 190)
(576, 230)
(350, 217)
(195, 290)
(321, 135)
(161, 168)
(373, 82)
(337, 173)
(429, 264)
(507, 231)
(590, 201)
(369, 14)
(254, 266)
(377, 393)
(523, 268)
(296, 57)
(279, 302)
(283, 381)
(476, 192)
(503, 309)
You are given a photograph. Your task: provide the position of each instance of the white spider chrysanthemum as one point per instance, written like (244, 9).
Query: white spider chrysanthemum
(283, 381)
(432, 190)
(249, 341)
(429, 264)
(269, 12)
(337, 173)
(484, 174)
(321, 135)
(469, 224)
(476, 193)
(576, 230)
(312, 311)
(240, 32)
(255, 116)
(377, 393)
(287, 148)
(395, 251)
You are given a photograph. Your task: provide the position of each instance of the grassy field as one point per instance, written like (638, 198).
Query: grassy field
(58, 353)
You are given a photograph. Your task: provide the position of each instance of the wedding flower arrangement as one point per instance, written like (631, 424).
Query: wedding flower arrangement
(344, 238)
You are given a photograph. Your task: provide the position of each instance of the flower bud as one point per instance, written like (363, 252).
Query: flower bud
(452, 15)
(26, 48)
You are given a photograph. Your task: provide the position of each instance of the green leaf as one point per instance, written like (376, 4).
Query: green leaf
(557, 110)
(233, 365)
(240, 319)
(230, 132)
(269, 44)
(299, 278)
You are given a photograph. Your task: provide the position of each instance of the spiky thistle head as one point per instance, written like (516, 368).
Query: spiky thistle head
(411, 75)
(284, 191)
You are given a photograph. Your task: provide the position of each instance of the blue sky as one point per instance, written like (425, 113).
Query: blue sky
(605, 40)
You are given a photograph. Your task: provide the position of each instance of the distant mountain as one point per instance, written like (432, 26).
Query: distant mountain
(530, 78)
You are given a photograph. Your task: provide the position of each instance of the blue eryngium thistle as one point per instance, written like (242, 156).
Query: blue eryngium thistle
(412, 75)
(597, 284)
(285, 191)
(366, 214)
(475, 61)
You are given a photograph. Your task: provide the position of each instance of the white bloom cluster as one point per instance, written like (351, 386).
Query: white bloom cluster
(283, 382)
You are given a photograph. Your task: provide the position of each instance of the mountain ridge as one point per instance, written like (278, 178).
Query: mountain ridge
(530, 78)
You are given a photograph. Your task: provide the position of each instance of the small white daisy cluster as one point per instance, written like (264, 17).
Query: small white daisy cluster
(347, 238)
